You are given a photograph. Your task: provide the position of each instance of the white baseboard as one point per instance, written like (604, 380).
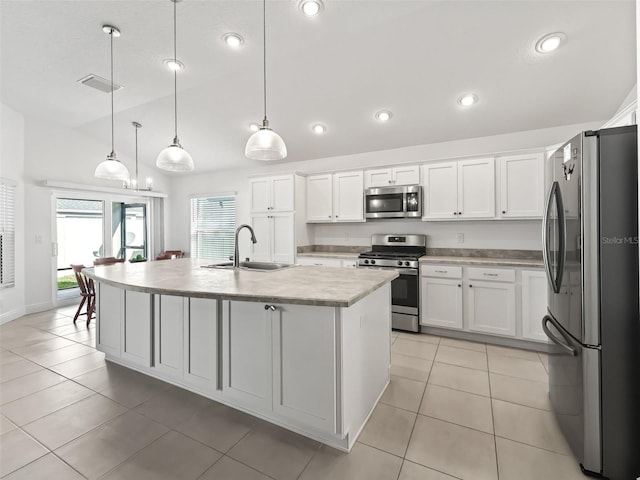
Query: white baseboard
(38, 307)
(12, 315)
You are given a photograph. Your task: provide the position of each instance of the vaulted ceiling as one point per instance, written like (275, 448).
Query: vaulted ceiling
(414, 58)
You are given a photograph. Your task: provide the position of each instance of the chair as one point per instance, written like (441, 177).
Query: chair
(107, 260)
(170, 254)
(87, 292)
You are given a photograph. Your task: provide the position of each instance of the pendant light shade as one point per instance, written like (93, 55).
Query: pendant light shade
(174, 158)
(265, 144)
(111, 168)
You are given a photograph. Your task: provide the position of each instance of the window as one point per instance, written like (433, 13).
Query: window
(7, 233)
(213, 222)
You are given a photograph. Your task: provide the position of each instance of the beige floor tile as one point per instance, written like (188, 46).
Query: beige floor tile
(28, 384)
(83, 336)
(362, 463)
(217, 426)
(388, 429)
(47, 467)
(68, 328)
(20, 336)
(105, 447)
(517, 461)
(518, 390)
(80, 365)
(171, 457)
(452, 449)
(544, 358)
(274, 451)
(518, 367)
(7, 357)
(419, 337)
(493, 350)
(414, 349)
(228, 469)
(70, 422)
(454, 342)
(462, 357)
(18, 369)
(455, 406)
(44, 402)
(410, 367)
(49, 322)
(460, 378)
(173, 407)
(404, 393)
(103, 377)
(6, 425)
(529, 425)
(39, 348)
(47, 359)
(413, 471)
(18, 449)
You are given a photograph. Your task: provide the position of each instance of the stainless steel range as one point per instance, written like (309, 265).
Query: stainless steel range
(400, 253)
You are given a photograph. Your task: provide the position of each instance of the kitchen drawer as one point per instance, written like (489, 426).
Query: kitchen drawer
(442, 271)
(495, 274)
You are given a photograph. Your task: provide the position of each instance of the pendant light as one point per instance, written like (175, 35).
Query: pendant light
(111, 168)
(135, 184)
(265, 144)
(175, 158)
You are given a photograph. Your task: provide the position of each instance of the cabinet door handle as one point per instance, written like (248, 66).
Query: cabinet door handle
(270, 307)
(442, 271)
(460, 285)
(336, 216)
(329, 216)
(504, 211)
(455, 213)
(470, 286)
(459, 213)
(490, 274)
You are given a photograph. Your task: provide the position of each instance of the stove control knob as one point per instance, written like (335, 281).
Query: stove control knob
(366, 262)
(373, 262)
(406, 263)
(400, 262)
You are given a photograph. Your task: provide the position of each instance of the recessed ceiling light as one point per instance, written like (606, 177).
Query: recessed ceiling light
(383, 115)
(550, 42)
(468, 99)
(173, 64)
(311, 8)
(233, 39)
(254, 127)
(111, 30)
(319, 128)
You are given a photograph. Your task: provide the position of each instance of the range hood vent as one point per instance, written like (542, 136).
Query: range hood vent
(99, 83)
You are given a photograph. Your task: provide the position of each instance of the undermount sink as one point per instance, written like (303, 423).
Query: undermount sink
(259, 266)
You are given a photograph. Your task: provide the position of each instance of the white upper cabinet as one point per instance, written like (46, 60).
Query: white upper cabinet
(384, 177)
(521, 186)
(337, 197)
(320, 198)
(275, 237)
(272, 194)
(459, 190)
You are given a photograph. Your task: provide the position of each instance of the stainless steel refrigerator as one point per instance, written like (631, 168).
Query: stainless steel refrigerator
(590, 246)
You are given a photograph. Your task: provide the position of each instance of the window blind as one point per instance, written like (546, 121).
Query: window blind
(7, 234)
(213, 221)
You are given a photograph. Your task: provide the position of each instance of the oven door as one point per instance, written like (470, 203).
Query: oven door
(404, 292)
(385, 203)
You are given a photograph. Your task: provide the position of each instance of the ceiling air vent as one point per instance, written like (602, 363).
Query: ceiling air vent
(99, 83)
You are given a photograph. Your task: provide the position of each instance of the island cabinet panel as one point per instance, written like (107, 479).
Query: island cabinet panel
(136, 329)
(110, 312)
(304, 364)
(169, 326)
(201, 341)
(246, 353)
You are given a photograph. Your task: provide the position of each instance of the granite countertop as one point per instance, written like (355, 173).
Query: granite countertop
(484, 261)
(303, 285)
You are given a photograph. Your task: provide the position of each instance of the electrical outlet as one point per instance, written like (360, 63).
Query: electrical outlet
(460, 237)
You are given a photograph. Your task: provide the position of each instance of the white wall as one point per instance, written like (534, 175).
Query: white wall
(12, 167)
(60, 154)
(492, 234)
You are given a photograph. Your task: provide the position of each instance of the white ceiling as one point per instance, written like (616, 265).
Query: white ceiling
(412, 57)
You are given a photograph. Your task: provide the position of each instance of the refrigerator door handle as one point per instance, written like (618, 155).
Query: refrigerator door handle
(545, 235)
(554, 192)
(566, 346)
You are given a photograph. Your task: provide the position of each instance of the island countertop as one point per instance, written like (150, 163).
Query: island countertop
(302, 285)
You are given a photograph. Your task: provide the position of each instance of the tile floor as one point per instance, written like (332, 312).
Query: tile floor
(454, 409)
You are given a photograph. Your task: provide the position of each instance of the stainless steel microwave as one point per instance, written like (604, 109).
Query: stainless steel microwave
(393, 202)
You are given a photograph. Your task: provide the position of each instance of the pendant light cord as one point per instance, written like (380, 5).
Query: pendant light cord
(137, 125)
(175, 72)
(112, 129)
(264, 51)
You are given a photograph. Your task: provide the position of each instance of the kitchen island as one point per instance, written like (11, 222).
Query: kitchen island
(307, 348)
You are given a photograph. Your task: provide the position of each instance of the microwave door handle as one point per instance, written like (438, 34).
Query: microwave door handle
(565, 346)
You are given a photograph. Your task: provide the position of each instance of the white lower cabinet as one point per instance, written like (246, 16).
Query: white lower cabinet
(136, 328)
(498, 301)
(492, 307)
(534, 304)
